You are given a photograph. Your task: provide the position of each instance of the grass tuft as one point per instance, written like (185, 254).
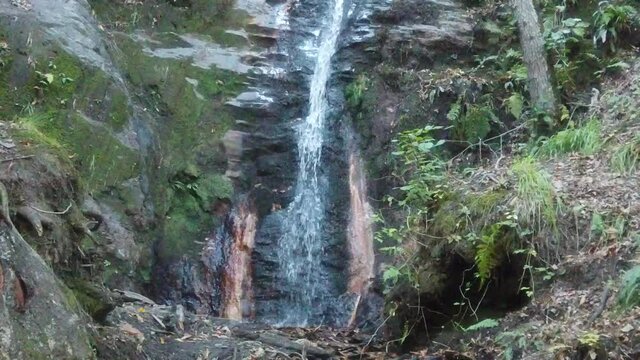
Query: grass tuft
(535, 202)
(626, 157)
(585, 140)
(629, 295)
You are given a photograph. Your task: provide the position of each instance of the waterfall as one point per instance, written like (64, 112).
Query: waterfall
(301, 246)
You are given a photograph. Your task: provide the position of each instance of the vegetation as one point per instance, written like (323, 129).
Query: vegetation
(472, 112)
(629, 295)
(584, 139)
(626, 157)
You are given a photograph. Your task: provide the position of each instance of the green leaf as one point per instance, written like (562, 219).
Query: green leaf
(484, 324)
(49, 78)
(391, 274)
(515, 104)
(426, 146)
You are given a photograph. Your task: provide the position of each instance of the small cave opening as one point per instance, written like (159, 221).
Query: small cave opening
(463, 300)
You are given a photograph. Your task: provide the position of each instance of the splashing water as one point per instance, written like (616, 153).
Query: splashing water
(302, 246)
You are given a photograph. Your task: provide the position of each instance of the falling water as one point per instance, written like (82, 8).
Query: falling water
(301, 246)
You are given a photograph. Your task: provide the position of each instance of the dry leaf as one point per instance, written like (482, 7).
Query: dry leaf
(20, 294)
(132, 331)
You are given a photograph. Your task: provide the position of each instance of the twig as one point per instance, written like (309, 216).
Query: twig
(52, 212)
(603, 303)
(373, 336)
(489, 139)
(16, 158)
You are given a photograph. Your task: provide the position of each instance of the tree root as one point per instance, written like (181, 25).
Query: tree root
(32, 217)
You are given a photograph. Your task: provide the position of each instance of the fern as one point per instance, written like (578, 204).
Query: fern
(484, 324)
(456, 111)
(487, 254)
(629, 295)
(515, 105)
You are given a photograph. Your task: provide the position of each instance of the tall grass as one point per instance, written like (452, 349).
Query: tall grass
(585, 140)
(535, 201)
(629, 295)
(626, 157)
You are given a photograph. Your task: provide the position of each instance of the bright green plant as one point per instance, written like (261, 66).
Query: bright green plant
(415, 149)
(424, 185)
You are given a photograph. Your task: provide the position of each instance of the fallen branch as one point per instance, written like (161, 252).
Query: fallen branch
(603, 304)
(53, 212)
(129, 296)
(16, 158)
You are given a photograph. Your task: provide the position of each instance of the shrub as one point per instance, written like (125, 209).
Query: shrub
(610, 20)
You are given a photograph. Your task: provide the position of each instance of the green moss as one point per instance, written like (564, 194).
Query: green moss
(185, 222)
(119, 111)
(189, 216)
(72, 302)
(88, 297)
(207, 17)
(449, 219)
(214, 187)
(197, 117)
(470, 212)
(65, 72)
(100, 158)
(485, 203)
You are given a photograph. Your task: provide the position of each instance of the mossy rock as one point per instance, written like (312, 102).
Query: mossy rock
(206, 17)
(189, 217)
(100, 158)
(91, 298)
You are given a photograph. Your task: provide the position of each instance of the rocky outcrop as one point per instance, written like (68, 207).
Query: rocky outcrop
(39, 317)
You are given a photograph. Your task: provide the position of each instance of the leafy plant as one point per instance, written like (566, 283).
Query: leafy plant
(515, 105)
(424, 186)
(610, 20)
(482, 325)
(475, 124)
(416, 149)
(354, 93)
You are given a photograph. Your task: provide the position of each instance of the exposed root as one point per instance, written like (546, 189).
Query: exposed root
(32, 217)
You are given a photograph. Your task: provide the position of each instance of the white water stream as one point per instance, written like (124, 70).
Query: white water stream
(302, 246)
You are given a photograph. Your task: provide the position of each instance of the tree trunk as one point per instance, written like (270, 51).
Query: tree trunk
(535, 57)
